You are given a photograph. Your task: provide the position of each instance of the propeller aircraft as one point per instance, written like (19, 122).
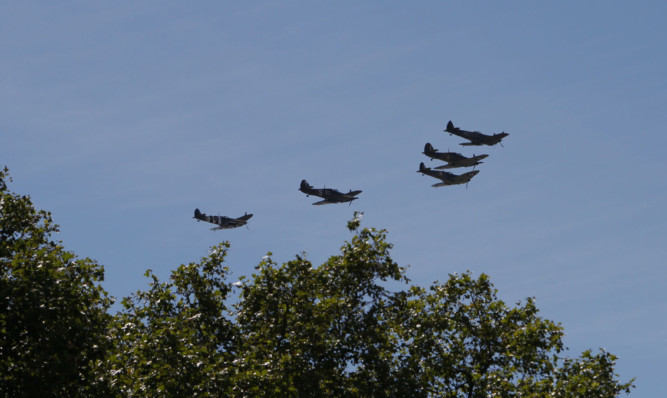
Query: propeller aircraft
(328, 194)
(446, 177)
(222, 222)
(453, 159)
(475, 137)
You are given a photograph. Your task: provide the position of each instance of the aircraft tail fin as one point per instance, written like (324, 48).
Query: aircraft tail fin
(305, 186)
(428, 149)
(450, 126)
(198, 214)
(422, 168)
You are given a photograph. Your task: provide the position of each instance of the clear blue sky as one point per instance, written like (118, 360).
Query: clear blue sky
(122, 117)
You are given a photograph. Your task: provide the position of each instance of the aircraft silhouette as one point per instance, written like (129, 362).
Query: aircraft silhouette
(329, 195)
(453, 159)
(446, 177)
(222, 222)
(475, 137)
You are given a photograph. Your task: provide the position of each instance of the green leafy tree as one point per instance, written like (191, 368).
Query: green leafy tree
(175, 339)
(53, 311)
(460, 340)
(288, 330)
(337, 330)
(325, 331)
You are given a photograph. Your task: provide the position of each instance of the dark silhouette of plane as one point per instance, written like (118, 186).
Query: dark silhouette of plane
(453, 159)
(329, 195)
(475, 137)
(446, 177)
(221, 221)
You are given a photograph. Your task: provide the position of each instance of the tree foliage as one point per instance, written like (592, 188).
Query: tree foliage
(292, 329)
(176, 338)
(53, 311)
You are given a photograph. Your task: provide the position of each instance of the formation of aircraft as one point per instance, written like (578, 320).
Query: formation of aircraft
(475, 137)
(329, 195)
(447, 177)
(453, 159)
(223, 222)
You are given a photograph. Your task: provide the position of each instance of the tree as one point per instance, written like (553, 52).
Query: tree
(460, 340)
(175, 339)
(336, 330)
(53, 311)
(328, 330)
(294, 329)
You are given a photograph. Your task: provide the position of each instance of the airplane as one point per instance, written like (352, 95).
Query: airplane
(475, 137)
(221, 221)
(446, 177)
(329, 195)
(453, 159)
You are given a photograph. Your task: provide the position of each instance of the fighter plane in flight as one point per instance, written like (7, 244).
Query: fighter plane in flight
(446, 177)
(221, 221)
(329, 195)
(453, 159)
(475, 137)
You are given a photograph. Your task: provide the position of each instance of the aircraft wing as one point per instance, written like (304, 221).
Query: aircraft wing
(480, 139)
(345, 197)
(475, 137)
(339, 197)
(238, 222)
(466, 177)
(324, 202)
(441, 184)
